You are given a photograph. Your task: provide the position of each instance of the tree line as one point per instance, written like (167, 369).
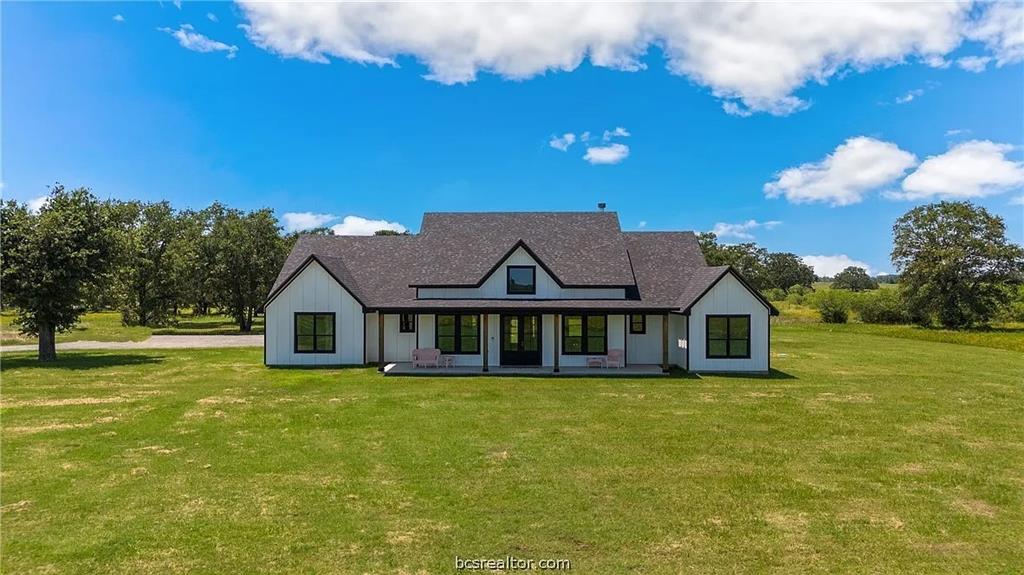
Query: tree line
(147, 260)
(150, 261)
(956, 269)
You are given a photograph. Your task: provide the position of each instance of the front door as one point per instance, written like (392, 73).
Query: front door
(520, 339)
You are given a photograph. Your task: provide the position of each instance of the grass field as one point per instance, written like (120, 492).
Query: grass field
(863, 453)
(107, 326)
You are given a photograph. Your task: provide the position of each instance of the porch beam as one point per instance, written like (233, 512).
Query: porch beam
(664, 343)
(380, 342)
(486, 337)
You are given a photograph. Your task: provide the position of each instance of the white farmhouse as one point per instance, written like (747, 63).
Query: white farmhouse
(555, 292)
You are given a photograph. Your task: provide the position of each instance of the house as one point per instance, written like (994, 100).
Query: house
(490, 290)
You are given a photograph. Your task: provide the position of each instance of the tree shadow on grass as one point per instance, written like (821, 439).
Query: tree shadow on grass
(78, 361)
(773, 374)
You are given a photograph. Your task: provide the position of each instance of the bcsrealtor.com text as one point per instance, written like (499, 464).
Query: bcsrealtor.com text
(510, 563)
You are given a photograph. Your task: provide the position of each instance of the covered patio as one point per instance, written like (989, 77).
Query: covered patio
(636, 370)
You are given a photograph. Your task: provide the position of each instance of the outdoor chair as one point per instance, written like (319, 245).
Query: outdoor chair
(426, 357)
(616, 358)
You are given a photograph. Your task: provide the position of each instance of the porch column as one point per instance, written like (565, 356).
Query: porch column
(558, 339)
(626, 318)
(486, 337)
(664, 343)
(380, 341)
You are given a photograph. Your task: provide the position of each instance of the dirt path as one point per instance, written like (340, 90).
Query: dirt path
(156, 342)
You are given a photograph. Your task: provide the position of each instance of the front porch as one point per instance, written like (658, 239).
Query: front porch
(637, 370)
(518, 342)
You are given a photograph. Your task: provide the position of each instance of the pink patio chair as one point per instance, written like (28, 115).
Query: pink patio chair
(616, 358)
(426, 357)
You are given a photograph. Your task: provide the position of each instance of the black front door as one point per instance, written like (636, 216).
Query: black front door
(520, 339)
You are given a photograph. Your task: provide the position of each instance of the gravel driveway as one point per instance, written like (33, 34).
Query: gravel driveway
(156, 342)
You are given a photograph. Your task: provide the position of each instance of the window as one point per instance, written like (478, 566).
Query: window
(314, 332)
(458, 334)
(407, 323)
(638, 324)
(728, 336)
(584, 334)
(522, 280)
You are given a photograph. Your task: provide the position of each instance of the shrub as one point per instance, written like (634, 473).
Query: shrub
(882, 306)
(799, 289)
(775, 294)
(796, 299)
(833, 305)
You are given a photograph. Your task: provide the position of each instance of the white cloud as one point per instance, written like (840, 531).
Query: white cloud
(909, 96)
(972, 169)
(752, 55)
(585, 137)
(299, 221)
(935, 61)
(618, 132)
(192, 40)
(957, 132)
(357, 226)
(610, 154)
(562, 142)
(974, 64)
(177, 4)
(118, 18)
(1001, 29)
(1017, 200)
(642, 224)
(828, 266)
(36, 204)
(742, 230)
(212, 17)
(845, 176)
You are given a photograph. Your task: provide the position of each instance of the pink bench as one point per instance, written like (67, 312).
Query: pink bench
(426, 357)
(614, 358)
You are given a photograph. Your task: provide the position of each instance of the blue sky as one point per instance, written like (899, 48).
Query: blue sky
(270, 106)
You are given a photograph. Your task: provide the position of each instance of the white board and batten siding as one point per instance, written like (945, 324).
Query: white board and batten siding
(314, 291)
(729, 297)
(495, 286)
(398, 346)
(645, 348)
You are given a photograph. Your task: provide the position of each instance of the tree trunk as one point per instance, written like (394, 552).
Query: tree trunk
(247, 320)
(47, 343)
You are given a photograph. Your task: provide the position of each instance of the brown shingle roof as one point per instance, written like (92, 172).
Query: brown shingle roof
(662, 270)
(579, 248)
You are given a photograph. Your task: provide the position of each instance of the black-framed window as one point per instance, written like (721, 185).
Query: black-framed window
(407, 323)
(521, 280)
(457, 334)
(638, 324)
(585, 334)
(314, 332)
(727, 337)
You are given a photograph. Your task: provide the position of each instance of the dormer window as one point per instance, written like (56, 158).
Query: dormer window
(522, 280)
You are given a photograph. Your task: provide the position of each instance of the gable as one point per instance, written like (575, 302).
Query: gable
(312, 275)
(580, 249)
(494, 284)
(735, 288)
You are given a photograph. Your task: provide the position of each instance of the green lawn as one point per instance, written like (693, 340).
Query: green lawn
(864, 454)
(1008, 336)
(100, 326)
(107, 326)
